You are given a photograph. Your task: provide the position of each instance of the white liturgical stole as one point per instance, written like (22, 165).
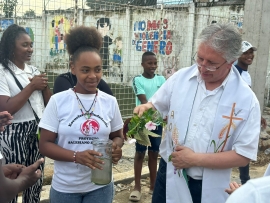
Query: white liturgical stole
(232, 112)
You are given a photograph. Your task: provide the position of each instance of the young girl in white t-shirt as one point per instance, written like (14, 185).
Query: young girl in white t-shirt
(73, 118)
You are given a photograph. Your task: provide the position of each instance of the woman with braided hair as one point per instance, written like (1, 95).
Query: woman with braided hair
(24, 92)
(75, 118)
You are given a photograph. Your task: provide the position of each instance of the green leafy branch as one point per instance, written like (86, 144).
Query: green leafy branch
(137, 129)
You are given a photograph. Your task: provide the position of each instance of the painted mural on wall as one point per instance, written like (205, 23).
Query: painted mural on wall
(170, 66)
(30, 33)
(171, 62)
(157, 37)
(111, 50)
(104, 26)
(59, 27)
(5, 23)
(117, 60)
(117, 52)
(237, 20)
(152, 35)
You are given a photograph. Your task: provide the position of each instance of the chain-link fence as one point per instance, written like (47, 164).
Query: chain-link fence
(129, 28)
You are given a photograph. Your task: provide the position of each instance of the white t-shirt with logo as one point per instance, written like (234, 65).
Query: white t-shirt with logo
(8, 87)
(63, 116)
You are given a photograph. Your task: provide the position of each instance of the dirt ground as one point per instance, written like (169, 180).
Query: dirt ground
(122, 191)
(257, 169)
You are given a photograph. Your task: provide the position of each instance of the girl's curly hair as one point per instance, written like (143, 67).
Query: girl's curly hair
(81, 39)
(7, 43)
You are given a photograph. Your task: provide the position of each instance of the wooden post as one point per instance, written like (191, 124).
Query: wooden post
(256, 30)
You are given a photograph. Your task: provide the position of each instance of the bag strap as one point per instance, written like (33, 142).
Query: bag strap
(21, 88)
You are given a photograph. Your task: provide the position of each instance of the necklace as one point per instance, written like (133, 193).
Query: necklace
(87, 113)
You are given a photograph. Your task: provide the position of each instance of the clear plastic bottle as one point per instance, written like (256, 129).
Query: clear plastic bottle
(267, 151)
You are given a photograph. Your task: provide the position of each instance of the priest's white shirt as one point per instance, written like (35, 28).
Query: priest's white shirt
(202, 120)
(183, 93)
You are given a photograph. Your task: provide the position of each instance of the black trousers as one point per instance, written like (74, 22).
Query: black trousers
(159, 194)
(195, 188)
(244, 174)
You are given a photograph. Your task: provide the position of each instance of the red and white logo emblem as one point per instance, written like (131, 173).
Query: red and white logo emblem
(90, 127)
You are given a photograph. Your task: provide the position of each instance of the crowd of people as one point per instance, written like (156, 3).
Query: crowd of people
(213, 122)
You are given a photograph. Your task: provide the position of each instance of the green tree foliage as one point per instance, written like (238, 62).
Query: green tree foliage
(9, 7)
(29, 14)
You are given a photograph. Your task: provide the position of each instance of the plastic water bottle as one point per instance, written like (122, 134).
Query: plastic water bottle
(267, 151)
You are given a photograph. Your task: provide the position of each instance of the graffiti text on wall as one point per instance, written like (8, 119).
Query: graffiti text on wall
(152, 36)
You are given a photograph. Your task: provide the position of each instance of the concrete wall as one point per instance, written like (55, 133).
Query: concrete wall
(171, 34)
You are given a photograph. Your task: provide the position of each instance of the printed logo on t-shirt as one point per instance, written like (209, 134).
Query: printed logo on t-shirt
(90, 127)
(93, 115)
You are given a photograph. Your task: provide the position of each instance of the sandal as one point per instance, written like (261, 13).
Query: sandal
(135, 196)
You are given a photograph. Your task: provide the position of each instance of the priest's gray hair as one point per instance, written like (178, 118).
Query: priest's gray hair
(223, 38)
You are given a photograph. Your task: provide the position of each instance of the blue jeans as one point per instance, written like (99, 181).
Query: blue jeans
(159, 193)
(101, 195)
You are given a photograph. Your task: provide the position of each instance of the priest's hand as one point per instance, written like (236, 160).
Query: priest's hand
(142, 108)
(183, 157)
